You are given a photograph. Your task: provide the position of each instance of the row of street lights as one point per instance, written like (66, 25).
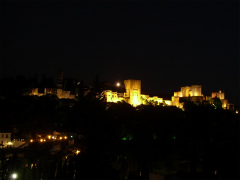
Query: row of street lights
(49, 137)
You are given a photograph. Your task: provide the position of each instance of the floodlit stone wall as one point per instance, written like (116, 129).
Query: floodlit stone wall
(196, 90)
(134, 97)
(186, 91)
(219, 95)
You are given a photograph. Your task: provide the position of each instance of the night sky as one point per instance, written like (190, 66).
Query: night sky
(166, 44)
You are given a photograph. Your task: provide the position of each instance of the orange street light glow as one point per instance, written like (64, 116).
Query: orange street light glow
(77, 152)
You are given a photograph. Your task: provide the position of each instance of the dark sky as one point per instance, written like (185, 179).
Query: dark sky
(166, 44)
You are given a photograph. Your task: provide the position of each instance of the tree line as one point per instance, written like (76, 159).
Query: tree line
(126, 142)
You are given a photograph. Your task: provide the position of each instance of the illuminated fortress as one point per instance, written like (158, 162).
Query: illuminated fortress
(133, 95)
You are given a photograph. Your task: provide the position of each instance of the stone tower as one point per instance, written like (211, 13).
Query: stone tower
(196, 90)
(133, 91)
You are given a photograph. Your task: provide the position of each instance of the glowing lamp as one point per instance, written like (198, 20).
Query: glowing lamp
(14, 176)
(77, 152)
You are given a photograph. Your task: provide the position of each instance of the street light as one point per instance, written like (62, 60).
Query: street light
(118, 84)
(14, 176)
(77, 152)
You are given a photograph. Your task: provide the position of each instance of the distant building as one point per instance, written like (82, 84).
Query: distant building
(5, 139)
(133, 96)
(8, 140)
(220, 95)
(194, 93)
(131, 93)
(59, 91)
(187, 93)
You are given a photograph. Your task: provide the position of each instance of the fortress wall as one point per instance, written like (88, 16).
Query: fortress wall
(186, 91)
(196, 90)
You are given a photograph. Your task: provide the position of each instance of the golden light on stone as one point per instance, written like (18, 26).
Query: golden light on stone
(134, 97)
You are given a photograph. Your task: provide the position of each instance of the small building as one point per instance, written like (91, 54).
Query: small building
(11, 140)
(188, 93)
(5, 140)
